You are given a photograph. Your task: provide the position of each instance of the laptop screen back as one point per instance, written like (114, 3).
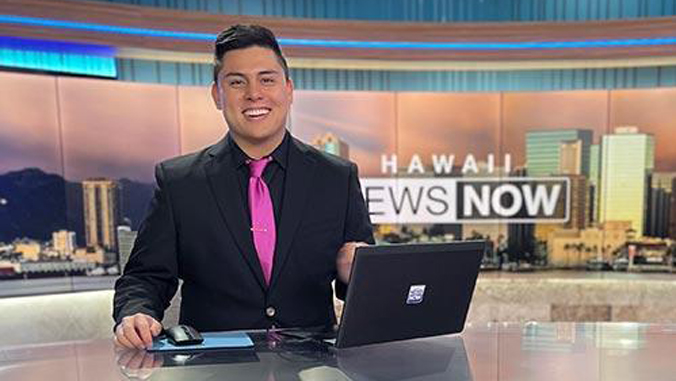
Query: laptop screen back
(407, 291)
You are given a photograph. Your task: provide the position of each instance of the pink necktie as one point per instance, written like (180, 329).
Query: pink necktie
(262, 216)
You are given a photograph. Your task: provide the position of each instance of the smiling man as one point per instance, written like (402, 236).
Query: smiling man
(257, 226)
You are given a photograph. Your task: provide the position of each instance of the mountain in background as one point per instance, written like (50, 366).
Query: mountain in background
(134, 198)
(33, 204)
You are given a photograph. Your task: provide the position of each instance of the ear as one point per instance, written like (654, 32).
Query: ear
(289, 89)
(216, 96)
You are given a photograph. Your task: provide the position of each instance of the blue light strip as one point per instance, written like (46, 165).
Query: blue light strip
(58, 56)
(17, 43)
(633, 42)
(145, 32)
(59, 24)
(58, 62)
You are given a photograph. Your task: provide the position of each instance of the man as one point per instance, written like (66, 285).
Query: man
(257, 226)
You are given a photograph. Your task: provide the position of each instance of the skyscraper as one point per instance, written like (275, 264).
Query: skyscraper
(657, 214)
(571, 165)
(101, 214)
(521, 237)
(63, 242)
(579, 204)
(125, 238)
(594, 180)
(570, 155)
(627, 160)
(330, 143)
(543, 150)
(660, 204)
(663, 180)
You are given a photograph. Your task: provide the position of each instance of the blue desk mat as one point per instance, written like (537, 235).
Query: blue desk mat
(212, 340)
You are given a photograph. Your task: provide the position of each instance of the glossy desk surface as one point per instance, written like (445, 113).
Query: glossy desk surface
(533, 351)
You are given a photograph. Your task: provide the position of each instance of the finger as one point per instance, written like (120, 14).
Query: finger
(155, 327)
(132, 336)
(143, 329)
(122, 341)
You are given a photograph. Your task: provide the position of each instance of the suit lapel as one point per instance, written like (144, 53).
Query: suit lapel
(223, 183)
(296, 187)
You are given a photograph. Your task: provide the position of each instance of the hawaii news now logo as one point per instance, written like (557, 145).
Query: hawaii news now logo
(466, 199)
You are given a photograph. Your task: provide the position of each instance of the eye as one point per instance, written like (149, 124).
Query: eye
(268, 81)
(235, 82)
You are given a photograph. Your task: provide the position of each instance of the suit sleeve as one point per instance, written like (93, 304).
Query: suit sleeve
(357, 222)
(150, 277)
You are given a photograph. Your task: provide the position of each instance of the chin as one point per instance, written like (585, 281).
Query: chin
(265, 134)
(261, 137)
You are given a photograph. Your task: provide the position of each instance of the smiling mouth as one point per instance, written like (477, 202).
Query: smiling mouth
(256, 113)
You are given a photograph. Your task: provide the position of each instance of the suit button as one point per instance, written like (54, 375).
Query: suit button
(270, 311)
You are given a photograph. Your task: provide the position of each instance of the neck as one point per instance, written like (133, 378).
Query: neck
(259, 149)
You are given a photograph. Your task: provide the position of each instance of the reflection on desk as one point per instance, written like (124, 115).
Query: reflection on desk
(490, 352)
(442, 358)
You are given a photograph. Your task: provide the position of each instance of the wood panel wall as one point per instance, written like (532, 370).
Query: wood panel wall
(164, 19)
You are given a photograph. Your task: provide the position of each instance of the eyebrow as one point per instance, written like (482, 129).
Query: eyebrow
(264, 72)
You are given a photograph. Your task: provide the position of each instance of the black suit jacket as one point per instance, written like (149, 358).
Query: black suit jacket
(197, 230)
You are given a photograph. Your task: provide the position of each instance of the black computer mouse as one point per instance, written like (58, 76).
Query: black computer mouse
(183, 335)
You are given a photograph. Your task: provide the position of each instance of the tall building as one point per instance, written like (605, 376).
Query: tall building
(594, 181)
(662, 214)
(579, 205)
(543, 150)
(663, 180)
(125, 239)
(520, 236)
(562, 152)
(570, 154)
(627, 160)
(658, 213)
(101, 213)
(570, 164)
(330, 143)
(64, 242)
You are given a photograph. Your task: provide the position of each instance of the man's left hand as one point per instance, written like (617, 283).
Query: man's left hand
(345, 258)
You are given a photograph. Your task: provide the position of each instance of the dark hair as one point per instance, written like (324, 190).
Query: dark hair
(244, 36)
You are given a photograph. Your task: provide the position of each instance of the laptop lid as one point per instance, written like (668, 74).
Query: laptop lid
(406, 291)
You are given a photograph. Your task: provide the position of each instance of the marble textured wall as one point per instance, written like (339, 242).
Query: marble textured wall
(525, 299)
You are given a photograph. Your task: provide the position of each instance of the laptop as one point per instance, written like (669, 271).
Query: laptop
(407, 291)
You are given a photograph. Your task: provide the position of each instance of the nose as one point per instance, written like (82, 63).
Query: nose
(253, 91)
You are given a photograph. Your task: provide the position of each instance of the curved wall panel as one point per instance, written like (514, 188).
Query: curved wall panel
(427, 11)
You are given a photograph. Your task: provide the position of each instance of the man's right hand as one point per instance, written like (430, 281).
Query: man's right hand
(137, 331)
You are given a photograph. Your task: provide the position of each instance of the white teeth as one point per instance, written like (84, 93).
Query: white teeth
(256, 112)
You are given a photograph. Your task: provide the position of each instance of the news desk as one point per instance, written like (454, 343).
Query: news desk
(498, 351)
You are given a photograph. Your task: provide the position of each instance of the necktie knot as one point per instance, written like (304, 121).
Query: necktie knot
(256, 167)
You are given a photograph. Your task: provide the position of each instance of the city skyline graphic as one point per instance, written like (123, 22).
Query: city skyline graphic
(77, 158)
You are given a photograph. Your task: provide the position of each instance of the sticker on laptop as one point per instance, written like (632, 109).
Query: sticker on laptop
(415, 294)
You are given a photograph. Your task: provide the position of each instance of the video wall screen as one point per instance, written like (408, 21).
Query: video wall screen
(566, 180)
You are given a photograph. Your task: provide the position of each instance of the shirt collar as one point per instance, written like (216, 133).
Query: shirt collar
(279, 155)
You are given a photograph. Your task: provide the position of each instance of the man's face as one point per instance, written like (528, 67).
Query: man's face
(253, 94)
